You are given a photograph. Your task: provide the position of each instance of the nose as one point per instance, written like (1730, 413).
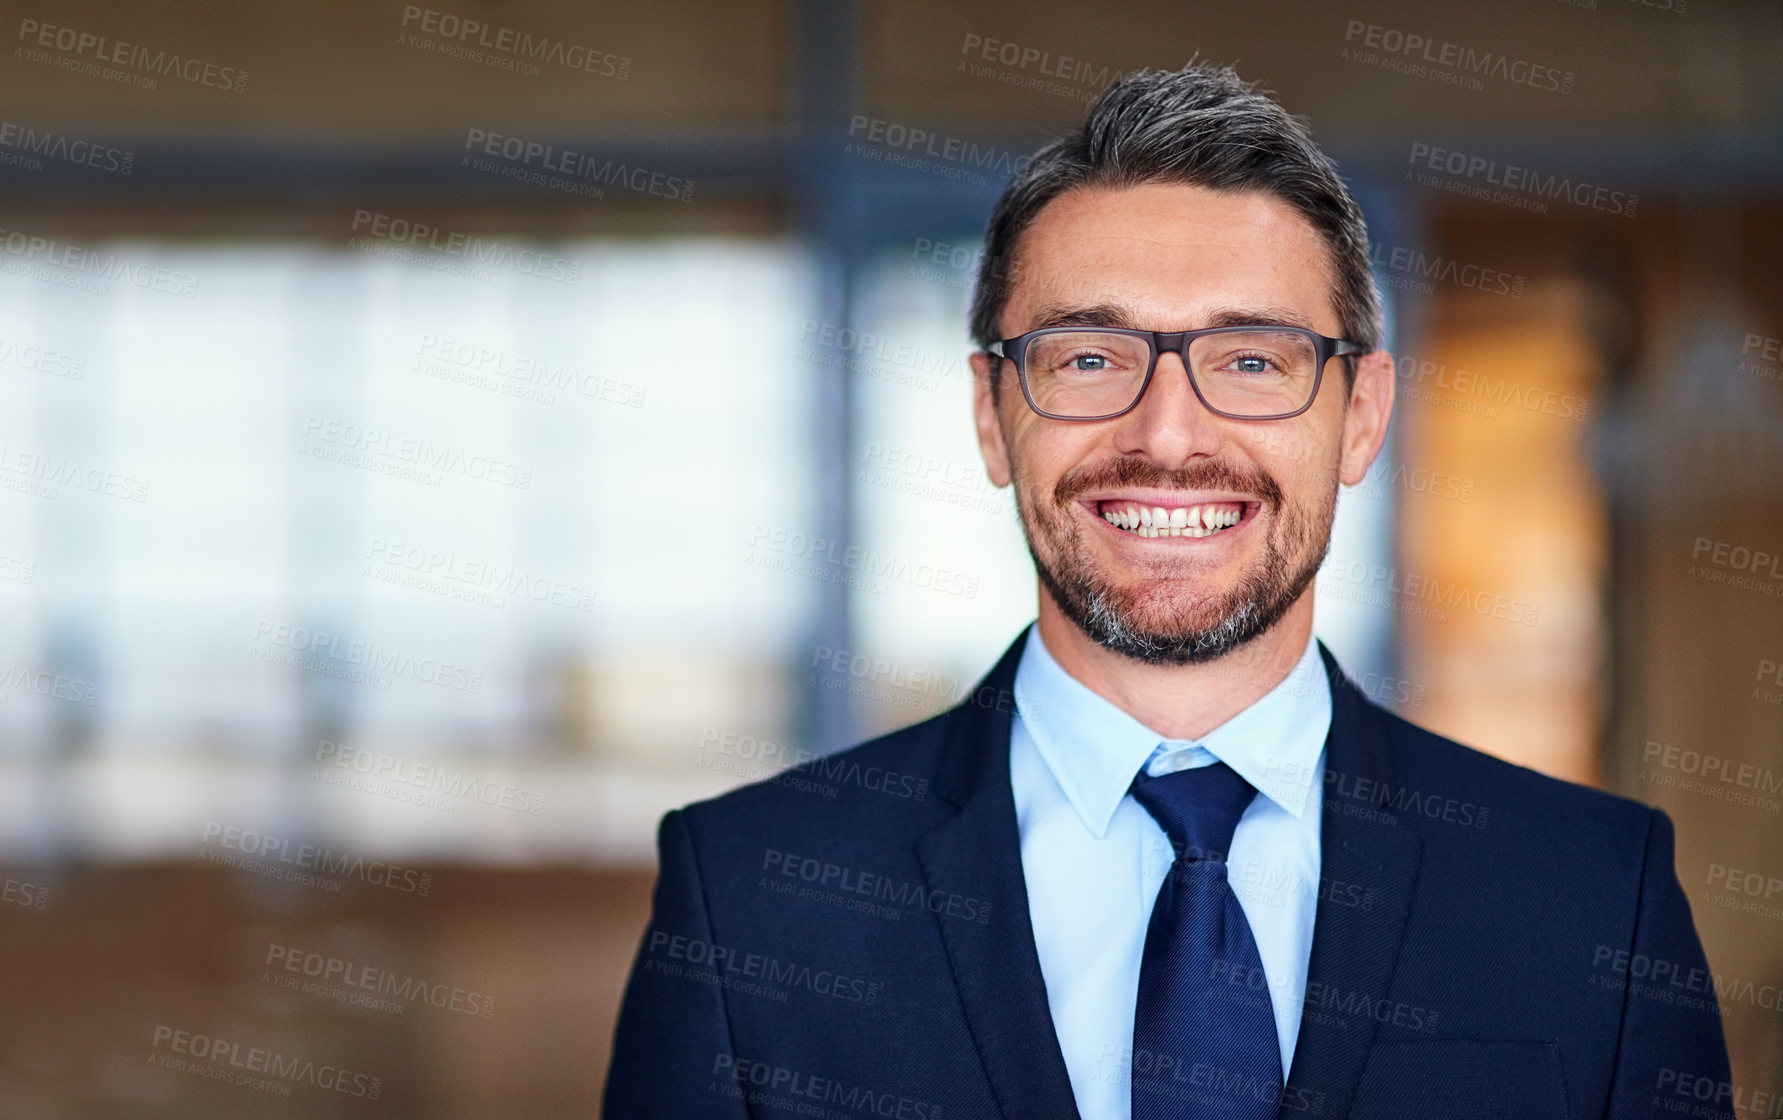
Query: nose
(1169, 425)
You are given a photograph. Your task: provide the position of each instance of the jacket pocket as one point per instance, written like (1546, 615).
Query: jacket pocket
(1440, 1079)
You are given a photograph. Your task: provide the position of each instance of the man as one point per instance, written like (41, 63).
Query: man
(1167, 860)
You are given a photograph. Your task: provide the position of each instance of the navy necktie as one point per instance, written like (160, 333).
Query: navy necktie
(1204, 1038)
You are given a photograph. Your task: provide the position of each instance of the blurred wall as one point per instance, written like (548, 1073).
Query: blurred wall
(618, 249)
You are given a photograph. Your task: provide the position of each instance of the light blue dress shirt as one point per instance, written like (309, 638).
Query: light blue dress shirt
(1094, 859)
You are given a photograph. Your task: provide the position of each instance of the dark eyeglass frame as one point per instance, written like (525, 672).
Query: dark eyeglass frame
(1176, 342)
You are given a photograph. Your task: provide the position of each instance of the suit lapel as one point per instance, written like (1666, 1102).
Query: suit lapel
(977, 852)
(996, 967)
(1355, 945)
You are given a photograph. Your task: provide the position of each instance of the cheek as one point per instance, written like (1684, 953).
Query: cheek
(1039, 453)
(1300, 473)
(1304, 480)
(1304, 457)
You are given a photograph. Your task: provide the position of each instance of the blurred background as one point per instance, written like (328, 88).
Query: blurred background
(436, 440)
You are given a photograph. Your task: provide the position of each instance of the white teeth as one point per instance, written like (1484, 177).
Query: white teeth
(1152, 522)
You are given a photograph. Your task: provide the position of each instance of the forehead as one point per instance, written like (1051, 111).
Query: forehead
(1172, 254)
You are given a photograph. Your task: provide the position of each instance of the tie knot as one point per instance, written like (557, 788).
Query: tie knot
(1198, 809)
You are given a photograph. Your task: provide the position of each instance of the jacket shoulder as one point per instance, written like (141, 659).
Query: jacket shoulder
(1515, 795)
(892, 772)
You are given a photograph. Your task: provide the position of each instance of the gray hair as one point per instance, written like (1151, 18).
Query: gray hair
(1205, 127)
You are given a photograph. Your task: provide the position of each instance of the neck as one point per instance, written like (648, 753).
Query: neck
(1181, 701)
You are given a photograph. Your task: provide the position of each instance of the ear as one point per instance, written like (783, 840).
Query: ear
(984, 417)
(1365, 420)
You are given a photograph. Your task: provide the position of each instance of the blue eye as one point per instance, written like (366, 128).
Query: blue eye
(1089, 363)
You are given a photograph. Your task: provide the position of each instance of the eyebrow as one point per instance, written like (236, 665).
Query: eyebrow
(1115, 316)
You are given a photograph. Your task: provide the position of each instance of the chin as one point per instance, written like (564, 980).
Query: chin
(1159, 610)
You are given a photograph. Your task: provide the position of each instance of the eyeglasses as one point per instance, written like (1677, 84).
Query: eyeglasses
(1245, 373)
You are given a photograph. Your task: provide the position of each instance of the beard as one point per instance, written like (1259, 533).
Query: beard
(1161, 619)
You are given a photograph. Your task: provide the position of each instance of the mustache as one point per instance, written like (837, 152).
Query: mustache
(1203, 474)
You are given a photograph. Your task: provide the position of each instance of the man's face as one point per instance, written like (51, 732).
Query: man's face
(1258, 496)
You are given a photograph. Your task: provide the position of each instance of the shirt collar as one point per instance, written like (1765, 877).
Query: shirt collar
(1094, 748)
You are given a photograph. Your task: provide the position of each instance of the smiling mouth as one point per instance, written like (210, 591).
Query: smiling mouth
(1202, 520)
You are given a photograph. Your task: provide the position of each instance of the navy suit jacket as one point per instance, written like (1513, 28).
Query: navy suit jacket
(852, 938)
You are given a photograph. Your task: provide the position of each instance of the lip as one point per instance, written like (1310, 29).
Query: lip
(1172, 499)
(1169, 499)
